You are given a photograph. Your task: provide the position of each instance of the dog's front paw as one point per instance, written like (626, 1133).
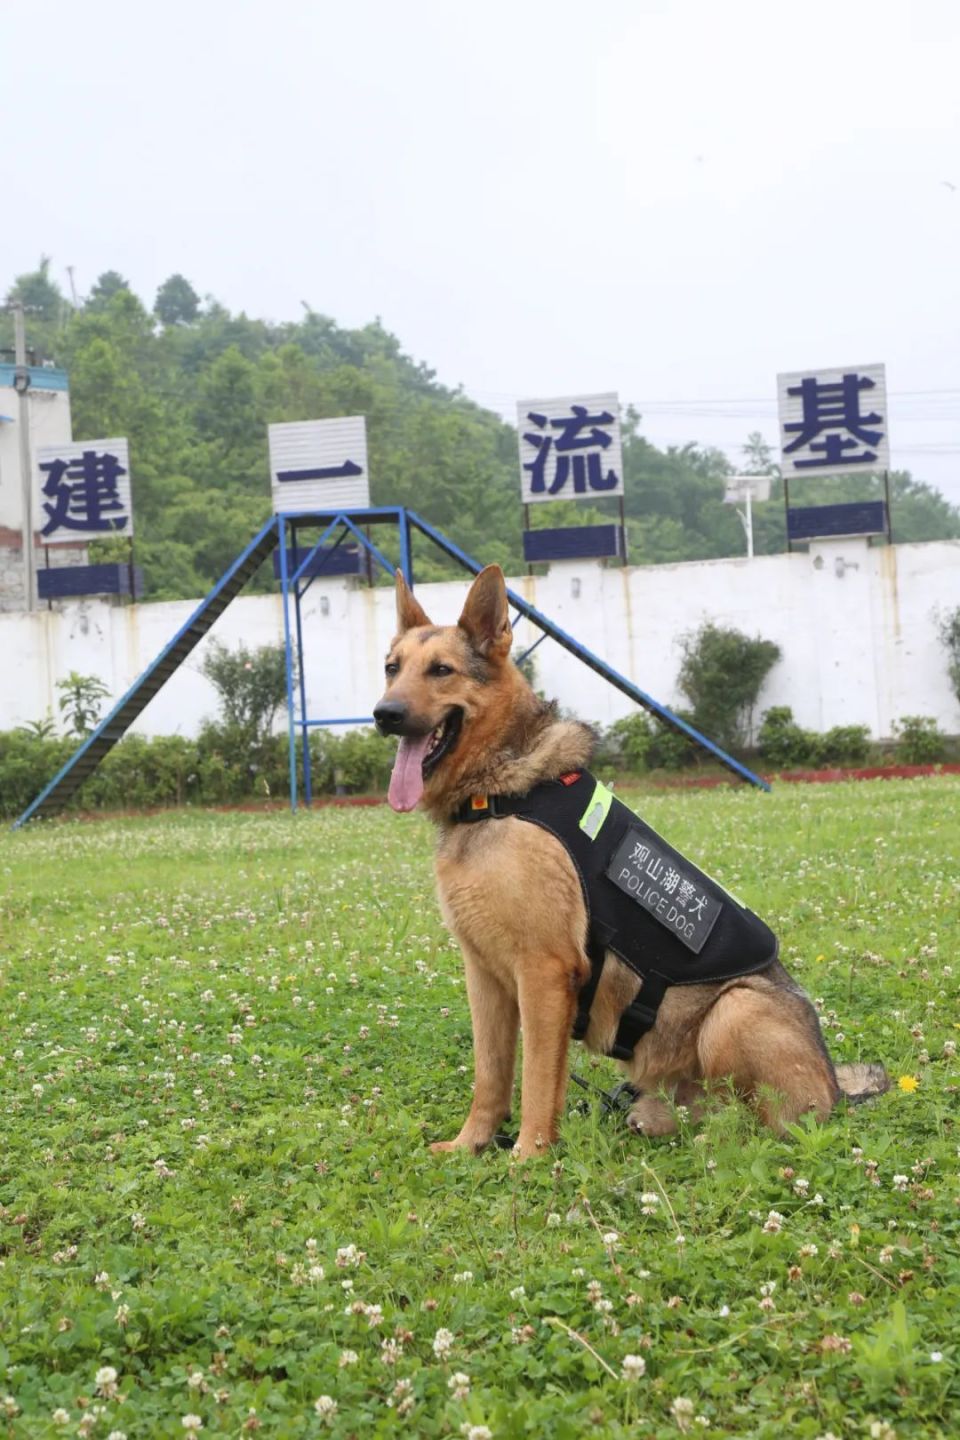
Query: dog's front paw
(529, 1147)
(440, 1147)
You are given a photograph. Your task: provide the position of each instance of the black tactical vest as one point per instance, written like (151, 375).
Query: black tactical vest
(666, 919)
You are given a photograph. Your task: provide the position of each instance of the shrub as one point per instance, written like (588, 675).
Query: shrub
(783, 743)
(81, 697)
(671, 749)
(357, 762)
(221, 766)
(27, 764)
(721, 673)
(949, 627)
(919, 740)
(251, 685)
(845, 745)
(626, 744)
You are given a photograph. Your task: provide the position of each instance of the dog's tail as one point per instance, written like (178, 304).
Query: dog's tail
(862, 1082)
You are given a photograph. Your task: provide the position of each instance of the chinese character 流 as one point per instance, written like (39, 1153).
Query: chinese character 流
(576, 452)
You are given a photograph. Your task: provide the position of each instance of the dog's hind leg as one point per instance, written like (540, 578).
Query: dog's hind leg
(652, 1115)
(548, 1003)
(493, 1010)
(769, 1044)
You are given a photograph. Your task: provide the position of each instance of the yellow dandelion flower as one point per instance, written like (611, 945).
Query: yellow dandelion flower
(909, 1083)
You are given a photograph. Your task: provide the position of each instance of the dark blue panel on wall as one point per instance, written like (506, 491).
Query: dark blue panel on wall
(579, 542)
(814, 522)
(66, 580)
(344, 560)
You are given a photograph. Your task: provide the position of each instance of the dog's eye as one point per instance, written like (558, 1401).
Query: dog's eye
(438, 669)
(391, 668)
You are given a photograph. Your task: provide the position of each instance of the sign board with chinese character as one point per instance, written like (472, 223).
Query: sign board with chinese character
(82, 491)
(570, 448)
(319, 465)
(834, 421)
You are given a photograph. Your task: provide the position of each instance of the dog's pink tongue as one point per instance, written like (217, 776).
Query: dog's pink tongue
(406, 782)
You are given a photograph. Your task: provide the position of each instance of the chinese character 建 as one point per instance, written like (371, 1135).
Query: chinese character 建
(85, 494)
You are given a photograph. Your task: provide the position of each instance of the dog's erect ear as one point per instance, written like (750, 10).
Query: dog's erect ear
(486, 614)
(409, 610)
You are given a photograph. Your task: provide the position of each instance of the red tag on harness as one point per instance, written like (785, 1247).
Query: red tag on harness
(571, 778)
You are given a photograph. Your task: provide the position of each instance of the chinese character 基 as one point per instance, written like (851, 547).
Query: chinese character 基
(577, 452)
(833, 410)
(85, 494)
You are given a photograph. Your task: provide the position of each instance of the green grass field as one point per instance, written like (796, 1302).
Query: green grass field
(226, 1041)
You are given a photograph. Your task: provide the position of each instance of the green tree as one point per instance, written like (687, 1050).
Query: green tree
(38, 292)
(177, 302)
(110, 283)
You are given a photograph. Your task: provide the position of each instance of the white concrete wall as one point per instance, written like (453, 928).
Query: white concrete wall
(857, 627)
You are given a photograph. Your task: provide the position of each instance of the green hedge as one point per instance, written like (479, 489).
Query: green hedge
(219, 767)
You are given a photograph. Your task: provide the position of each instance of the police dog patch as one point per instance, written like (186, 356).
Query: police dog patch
(672, 893)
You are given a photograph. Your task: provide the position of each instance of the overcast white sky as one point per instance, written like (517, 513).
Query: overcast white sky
(675, 200)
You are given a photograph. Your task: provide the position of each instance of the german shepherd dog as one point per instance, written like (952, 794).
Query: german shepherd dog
(469, 724)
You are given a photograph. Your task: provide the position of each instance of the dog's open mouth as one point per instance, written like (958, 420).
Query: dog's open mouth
(418, 756)
(442, 740)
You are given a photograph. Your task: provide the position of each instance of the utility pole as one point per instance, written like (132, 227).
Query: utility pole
(21, 383)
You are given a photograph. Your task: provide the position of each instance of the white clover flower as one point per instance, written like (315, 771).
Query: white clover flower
(936, 1356)
(476, 1432)
(517, 1293)
(901, 1182)
(773, 1223)
(60, 1416)
(459, 1385)
(633, 1367)
(442, 1343)
(682, 1412)
(611, 1237)
(105, 1381)
(881, 1430)
(553, 1220)
(326, 1408)
(347, 1357)
(463, 1277)
(349, 1255)
(191, 1423)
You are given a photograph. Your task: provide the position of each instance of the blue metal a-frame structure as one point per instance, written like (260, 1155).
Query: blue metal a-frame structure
(296, 576)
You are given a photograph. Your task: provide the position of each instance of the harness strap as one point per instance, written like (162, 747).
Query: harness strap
(596, 954)
(639, 1016)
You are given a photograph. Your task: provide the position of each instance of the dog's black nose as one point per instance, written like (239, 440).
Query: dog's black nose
(390, 717)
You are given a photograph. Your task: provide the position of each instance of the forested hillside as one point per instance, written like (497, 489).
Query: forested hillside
(194, 387)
